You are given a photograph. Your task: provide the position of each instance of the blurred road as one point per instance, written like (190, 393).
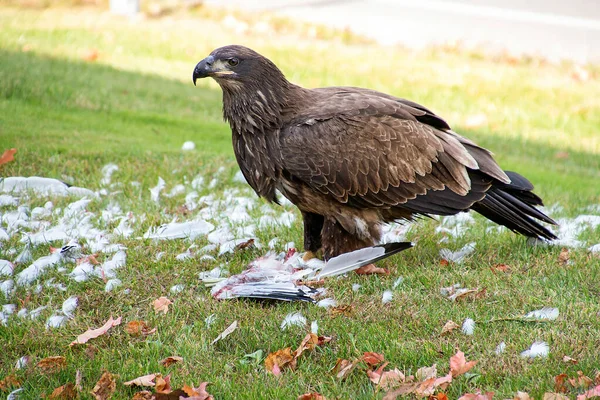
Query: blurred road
(555, 29)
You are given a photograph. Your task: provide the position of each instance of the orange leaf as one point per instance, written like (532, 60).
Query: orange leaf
(275, 362)
(167, 362)
(105, 387)
(51, 365)
(311, 396)
(163, 385)
(9, 381)
(138, 328)
(371, 269)
(198, 393)
(477, 396)
(459, 365)
(372, 359)
(162, 304)
(7, 156)
(94, 333)
(560, 383)
(64, 392)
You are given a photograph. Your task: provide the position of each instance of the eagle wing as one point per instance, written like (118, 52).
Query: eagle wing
(372, 151)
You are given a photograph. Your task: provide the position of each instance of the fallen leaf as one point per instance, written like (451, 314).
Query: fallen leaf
(554, 396)
(563, 257)
(167, 362)
(444, 262)
(477, 396)
(163, 385)
(94, 333)
(64, 392)
(245, 245)
(345, 309)
(449, 327)
(405, 388)
(78, 378)
(386, 379)
(105, 387)
(522, 396)
(162, 304)
(138, 328)
(425, 373)
(559, 383)
(278, 360)
(87, 259)
(9, 381)
(311, 396)
(462, 293)
(501, 268)
(371, 269)
(226, 332)
(590, 394)
(569, 360)
(143, 395)
(7, 156)
(443, 381)
(459, 365)
(372, 359)
(198, 393)
(51, 365)
(343, 368)
(439, 396)
(145, 380)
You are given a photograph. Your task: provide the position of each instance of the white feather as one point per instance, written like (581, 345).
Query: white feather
(293, 319)
(9, 309)
(210, 320)
(6, 268)
(468, 326)
(314, 327)
(388, 295)
(546, 313)
(69, 306)
(398, 282)
(327, 303)
(537, 349)
(15, 394)
(457, 256)
(177, 288)
(155, 191)
(56, 321)
(349, 261)
(111, 284)
(180, 230)
(22, 362)
(500, 348)
(188, 146)
(356, 287)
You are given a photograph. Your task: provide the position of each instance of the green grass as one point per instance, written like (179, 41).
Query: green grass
(136, 105)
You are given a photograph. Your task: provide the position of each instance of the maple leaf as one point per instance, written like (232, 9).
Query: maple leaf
(94, 333)
(386, 379)
(162, 304)
(459, 365)
(226, 332)
(105, 387)
(9, 381)
(311, 396)
(403, 389)
(371, 269)
(166, 362)
(64, 392)
(439, 396)
(143, 395)
(278, 360)
(425, 373)
(372, 359)
(559, 383)
(343, 368)
(554, 396)
(449, 327)
(7, 156)
(138, 328)
(163, 385)
(145, 380)
(477, 396)
(51, 365)
(198, 393)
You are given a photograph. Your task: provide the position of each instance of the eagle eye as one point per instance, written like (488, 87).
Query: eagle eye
(233, 61)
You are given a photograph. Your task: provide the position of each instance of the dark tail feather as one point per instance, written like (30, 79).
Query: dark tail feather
(513, 205)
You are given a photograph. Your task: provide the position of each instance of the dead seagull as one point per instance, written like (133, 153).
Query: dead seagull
(279, 276)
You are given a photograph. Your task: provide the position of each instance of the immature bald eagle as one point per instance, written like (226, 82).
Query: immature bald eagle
(352, 159)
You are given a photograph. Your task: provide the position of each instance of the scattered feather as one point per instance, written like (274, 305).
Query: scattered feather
(468, 326)
(356, 287)
(537, 349)
(22, 362)
(327, 303)
(69, 306)
(397, 282)
(6, 268)
(188, 146)
(111, 284)
(314, 327)
(210, 320)
(500, 348)
(155, 191)
(226, 332)
(293, 319)
(56, 321)
(457, 256)
(177, 288)
(546, 313)
(388, 295)
(180, 230)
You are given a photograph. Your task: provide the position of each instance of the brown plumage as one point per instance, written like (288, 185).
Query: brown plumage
(352, 159)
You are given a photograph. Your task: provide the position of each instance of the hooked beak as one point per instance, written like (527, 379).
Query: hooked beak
(203, 69)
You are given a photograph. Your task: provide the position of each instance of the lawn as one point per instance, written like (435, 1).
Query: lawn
(80, 89)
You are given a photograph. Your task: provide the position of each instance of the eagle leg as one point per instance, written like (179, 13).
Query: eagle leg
(336, 240)
(313, 225)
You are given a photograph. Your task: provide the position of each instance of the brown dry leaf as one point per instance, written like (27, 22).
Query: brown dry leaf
(372, 359)
(311, 396)
(501, 268)
(569, 360)
(9, 381)
(449, 327)
(405, 388)
(584, 381)
(345, 309)
(167, 362)
(105, 387)
(459, 364)
(425, 388)
(560, 383)
(50, 365)
(563, 257)
(162, 304)
(439, 396)
(90, 55)
(139, 328)
(443, 381)
(425, 373)
(7, 156)
(226, 332)
(198, 393)
(94, 333)
(477, 396)
(245, 245)
(90, 352)
(444, 262)
(590, 394)
(143, 395)
(554, 396)
(343, 368)
(163, 385)
(522, 396)
(87, 259)
(145, 380)
(276, 362)
(371, 269)
(386, 379)
(64, 392)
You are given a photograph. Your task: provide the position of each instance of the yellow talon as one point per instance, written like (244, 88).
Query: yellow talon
(309, 255)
